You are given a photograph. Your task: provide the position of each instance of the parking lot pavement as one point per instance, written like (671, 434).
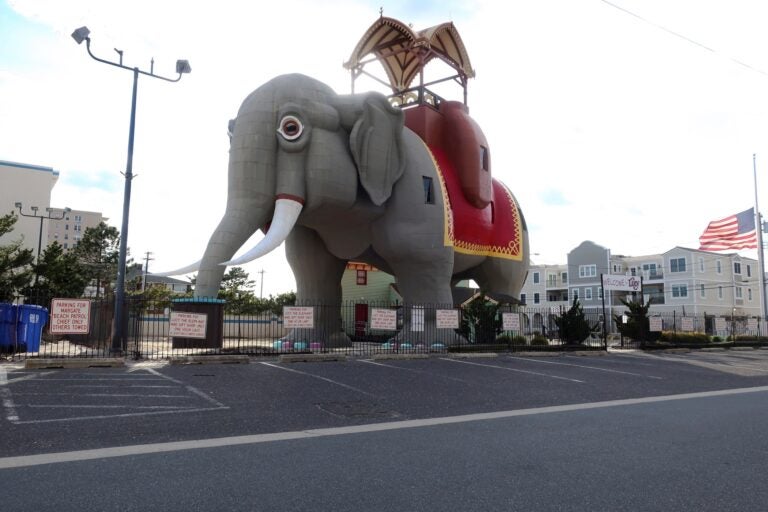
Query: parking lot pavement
(150, 402)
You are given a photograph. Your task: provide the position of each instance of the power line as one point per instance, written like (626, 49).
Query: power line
(683, 37)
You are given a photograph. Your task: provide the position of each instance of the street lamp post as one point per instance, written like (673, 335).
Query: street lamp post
(49, 215)
(182, 66)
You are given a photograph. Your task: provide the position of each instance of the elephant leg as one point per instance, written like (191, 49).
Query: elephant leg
(318, 276)
(501, 276)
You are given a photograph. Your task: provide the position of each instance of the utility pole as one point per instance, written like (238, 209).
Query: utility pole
(147, 259)
(261, 290)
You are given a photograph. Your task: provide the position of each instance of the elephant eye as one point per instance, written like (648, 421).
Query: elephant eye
(290, 128)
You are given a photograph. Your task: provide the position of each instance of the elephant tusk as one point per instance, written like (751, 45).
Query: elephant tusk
(194, 267)
(286, 213)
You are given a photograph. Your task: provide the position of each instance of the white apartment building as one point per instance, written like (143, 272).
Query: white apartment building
(686, 281)
(30, 185)
(69, 229)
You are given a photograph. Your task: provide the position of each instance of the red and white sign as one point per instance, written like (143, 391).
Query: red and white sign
(622, 283)
(447, 318)
(721, 324)
(188, 325)
(298, 317)
(384, 319)
(656, 323)
(510, 321)
(70, 316)
(752, 324)
(688, 323)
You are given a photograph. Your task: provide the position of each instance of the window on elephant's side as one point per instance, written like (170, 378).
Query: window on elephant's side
(484, 158)
(429, 196)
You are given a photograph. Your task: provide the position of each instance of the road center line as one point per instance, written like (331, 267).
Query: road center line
(146, 449)
(512, 369)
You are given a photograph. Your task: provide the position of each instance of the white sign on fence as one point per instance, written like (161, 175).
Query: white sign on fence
(417, 319)
(656, 323)
(720, 324)
(622, 283)
(298, 317)
(187, 325)
(70, 316)
(687, 322)
(752, 324)
(384, 319)
(510, 321)
(447, 318)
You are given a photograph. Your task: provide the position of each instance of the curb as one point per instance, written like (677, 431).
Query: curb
(225, 359)
(35, 364)
(311, 358)
(472, 355)
(381, 357)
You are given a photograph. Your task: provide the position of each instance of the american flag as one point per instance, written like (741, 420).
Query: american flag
(734, 232)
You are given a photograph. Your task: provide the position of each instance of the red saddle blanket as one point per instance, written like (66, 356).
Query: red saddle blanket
(495, 230)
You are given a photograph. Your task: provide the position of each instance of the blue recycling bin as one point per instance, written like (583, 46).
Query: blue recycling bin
(7, 326)
(29, 329)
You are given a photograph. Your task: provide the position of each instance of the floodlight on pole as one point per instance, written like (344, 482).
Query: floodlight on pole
(182, 67)
(49, 215)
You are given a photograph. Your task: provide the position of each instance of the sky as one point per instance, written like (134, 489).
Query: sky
(630, 123)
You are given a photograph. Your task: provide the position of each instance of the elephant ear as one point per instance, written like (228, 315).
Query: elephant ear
(376, 143)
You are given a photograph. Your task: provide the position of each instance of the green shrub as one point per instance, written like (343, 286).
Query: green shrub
(504, 338)
(750, 337)
(519, 339)
(539, 341)
(716, 339)
(684, 337)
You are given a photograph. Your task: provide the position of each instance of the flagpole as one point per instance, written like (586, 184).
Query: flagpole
(760, 255)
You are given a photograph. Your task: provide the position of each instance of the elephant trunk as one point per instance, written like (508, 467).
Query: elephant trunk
(287, 211)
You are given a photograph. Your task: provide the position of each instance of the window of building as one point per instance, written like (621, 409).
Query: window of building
(600, 293)
(362, 277)
(739, 292)
(701, 264)
(522, 298)
(535, 278)
(66, 227)
(718, 267)
(536, 298)
(66, 236)
(616, 268)
(429, 195)
(649, 269)
(78, 218)
(677, 265)
(587, 293)
(65, 245)
(720, 292)
(564, 277)
(749, 294)
(702, 291)
(679, 290)
(749, 270)
(587, 270)
(737, 267)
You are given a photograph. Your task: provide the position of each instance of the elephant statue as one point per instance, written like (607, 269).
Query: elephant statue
(340, 178)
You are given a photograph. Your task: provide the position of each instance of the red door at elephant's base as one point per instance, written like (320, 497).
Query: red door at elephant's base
(361, 319)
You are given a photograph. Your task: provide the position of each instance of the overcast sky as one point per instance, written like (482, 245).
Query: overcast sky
(631, 123)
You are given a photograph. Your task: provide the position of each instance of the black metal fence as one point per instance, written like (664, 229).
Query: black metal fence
(151, 330)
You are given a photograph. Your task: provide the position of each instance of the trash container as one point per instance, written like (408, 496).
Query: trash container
(29, 330)
(7, 327)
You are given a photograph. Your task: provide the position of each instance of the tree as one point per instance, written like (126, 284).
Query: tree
(480, 320)
(99, 253)
(235, 288)
(59, 274)
(15, 270)
(574, 326)
(638, 326)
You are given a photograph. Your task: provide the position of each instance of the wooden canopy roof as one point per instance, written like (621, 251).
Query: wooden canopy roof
(404, 52)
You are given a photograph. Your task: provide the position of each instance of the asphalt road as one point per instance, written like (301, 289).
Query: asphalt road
(617, 432)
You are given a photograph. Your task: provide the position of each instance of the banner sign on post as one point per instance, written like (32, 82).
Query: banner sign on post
(656, 323)
(621, 283)
(187, 325)
(70, 316)
(417, 319)
(447, 318)
(687, 323)
(510, 321)
(383, 319)
(720, 324)
(298, 317)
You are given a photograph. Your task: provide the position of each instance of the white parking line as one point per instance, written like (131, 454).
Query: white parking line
(512, 369)
(149, 449)
(321, 378)
(413, 370)
(597, 368)
(6, 397)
